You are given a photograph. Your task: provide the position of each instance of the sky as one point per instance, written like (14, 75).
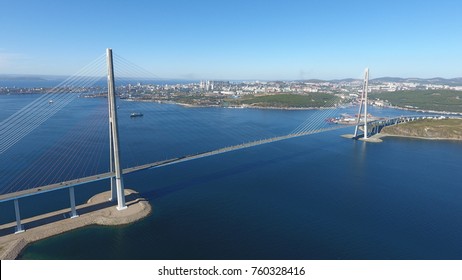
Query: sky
(236, 39)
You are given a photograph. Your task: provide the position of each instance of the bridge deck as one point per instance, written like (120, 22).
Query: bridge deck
(53, 187)
(107, 175)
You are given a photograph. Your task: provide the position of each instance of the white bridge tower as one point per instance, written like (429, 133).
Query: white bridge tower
(363, 101)
(117, 183)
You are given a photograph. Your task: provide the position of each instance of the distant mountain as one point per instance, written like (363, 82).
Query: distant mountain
(30, 80)
(11, 77)
(49, 81)
(319, 81)
(389, 80)
(17, 80)
(314, 81)
(22, 78)
(349, 80)
(436, 80)
(454, 81)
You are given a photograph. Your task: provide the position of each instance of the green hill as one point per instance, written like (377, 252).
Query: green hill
(311, 100)
(437, 100)
(432, 129)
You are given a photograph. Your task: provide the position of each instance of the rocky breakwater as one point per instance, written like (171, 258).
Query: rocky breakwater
(98, 210)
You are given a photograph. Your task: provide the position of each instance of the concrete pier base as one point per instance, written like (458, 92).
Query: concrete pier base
(348, 136)
(98, 210)
(371, 139)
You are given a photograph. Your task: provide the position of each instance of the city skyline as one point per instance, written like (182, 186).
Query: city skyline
(267, 40)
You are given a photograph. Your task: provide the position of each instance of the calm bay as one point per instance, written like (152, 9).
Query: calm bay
(313, 197)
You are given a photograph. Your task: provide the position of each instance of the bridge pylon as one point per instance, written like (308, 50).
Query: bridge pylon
(118, 189)
(362, 104)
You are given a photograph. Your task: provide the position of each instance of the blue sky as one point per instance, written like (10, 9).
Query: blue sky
(236, 39)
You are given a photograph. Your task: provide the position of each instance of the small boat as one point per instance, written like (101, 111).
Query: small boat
(134, 115)
(50, 101)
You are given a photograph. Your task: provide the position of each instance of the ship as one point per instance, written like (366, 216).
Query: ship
(134, 115)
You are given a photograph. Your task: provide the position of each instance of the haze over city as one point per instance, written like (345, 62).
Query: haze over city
(265, 40)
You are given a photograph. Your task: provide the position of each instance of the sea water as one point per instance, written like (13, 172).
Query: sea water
(314, 197)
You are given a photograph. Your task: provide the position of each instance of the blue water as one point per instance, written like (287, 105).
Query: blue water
(314, 197)
(53, 81)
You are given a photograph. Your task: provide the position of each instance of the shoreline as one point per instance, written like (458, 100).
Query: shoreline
(448, 129)
(289, 108)
(424, 111)
(378, 138)
(382, 135)
(98, 210)
(277, 108)
(187, 105)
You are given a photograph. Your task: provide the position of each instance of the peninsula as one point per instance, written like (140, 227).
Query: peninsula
(434, 129)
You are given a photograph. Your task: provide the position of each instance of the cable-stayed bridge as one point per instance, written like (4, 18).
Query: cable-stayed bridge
(79, 155)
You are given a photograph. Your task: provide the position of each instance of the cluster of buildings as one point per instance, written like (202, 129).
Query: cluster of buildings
(233, 88)
(348, 88)
(400, 86)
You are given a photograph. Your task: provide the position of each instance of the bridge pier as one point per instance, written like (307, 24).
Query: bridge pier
(113, 188)
(19, 227)
(72, 199)
(111, 159)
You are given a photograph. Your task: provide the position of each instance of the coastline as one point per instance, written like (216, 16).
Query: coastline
(449, 129)
(424, 111)
(378, 138)
(383, 135)
(187, 105)
(97, 211)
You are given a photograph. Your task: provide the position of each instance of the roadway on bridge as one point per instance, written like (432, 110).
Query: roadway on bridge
(157, 164)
